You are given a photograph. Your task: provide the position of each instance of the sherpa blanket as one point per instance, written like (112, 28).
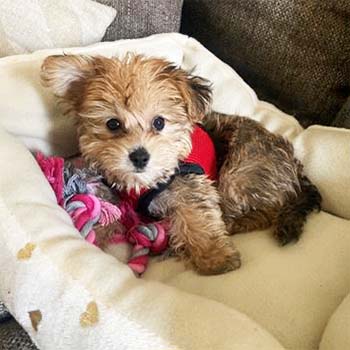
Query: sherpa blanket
(68, 294)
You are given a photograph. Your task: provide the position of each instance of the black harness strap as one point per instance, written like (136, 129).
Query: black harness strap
(146, 199)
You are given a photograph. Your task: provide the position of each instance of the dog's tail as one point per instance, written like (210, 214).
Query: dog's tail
(291, 218)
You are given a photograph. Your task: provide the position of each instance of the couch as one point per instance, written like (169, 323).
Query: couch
(295, 298)
(294, 53)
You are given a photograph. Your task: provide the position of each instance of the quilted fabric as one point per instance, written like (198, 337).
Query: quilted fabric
(29, 25)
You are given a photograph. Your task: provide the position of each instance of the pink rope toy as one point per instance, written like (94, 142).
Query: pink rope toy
(76, 195)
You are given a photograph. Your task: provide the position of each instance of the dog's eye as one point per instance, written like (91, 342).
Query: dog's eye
(113, 124)
(158, 123)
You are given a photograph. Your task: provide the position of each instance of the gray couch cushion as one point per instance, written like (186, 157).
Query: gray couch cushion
(139, 18)
(4, 314)
(294, 53)
(343, 117)
(13, 337)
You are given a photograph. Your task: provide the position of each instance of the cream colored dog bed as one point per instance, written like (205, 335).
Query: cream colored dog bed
(70, 295)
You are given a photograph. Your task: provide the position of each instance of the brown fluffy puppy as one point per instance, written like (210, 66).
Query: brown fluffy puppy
(117, 102)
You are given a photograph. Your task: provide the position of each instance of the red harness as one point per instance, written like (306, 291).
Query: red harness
(203, 152)
(201, 161)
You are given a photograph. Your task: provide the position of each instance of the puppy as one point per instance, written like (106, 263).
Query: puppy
(136, 119)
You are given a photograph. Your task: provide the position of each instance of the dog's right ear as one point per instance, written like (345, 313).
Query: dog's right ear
(66, 76)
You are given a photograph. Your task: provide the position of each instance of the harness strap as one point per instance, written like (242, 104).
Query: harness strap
(146, 198)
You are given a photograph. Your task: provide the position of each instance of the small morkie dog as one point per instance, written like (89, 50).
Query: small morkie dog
(140, 123)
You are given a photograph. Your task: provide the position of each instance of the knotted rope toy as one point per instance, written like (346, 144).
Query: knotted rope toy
(75, 187)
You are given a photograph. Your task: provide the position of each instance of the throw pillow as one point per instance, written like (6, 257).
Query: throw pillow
(29, 25)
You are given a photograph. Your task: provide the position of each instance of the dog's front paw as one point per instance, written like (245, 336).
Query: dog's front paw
(220, 259)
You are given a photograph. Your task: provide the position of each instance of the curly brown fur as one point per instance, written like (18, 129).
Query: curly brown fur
(261, 183)
(135, 91)
(197, 231)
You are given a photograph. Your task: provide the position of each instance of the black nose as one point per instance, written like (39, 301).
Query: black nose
(139, 157)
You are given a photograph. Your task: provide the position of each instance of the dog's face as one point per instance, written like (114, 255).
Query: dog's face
(135, 115)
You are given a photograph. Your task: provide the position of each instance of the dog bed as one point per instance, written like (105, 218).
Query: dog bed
(68, 294)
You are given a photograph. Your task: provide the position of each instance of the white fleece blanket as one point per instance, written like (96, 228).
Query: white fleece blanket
(69, 295)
